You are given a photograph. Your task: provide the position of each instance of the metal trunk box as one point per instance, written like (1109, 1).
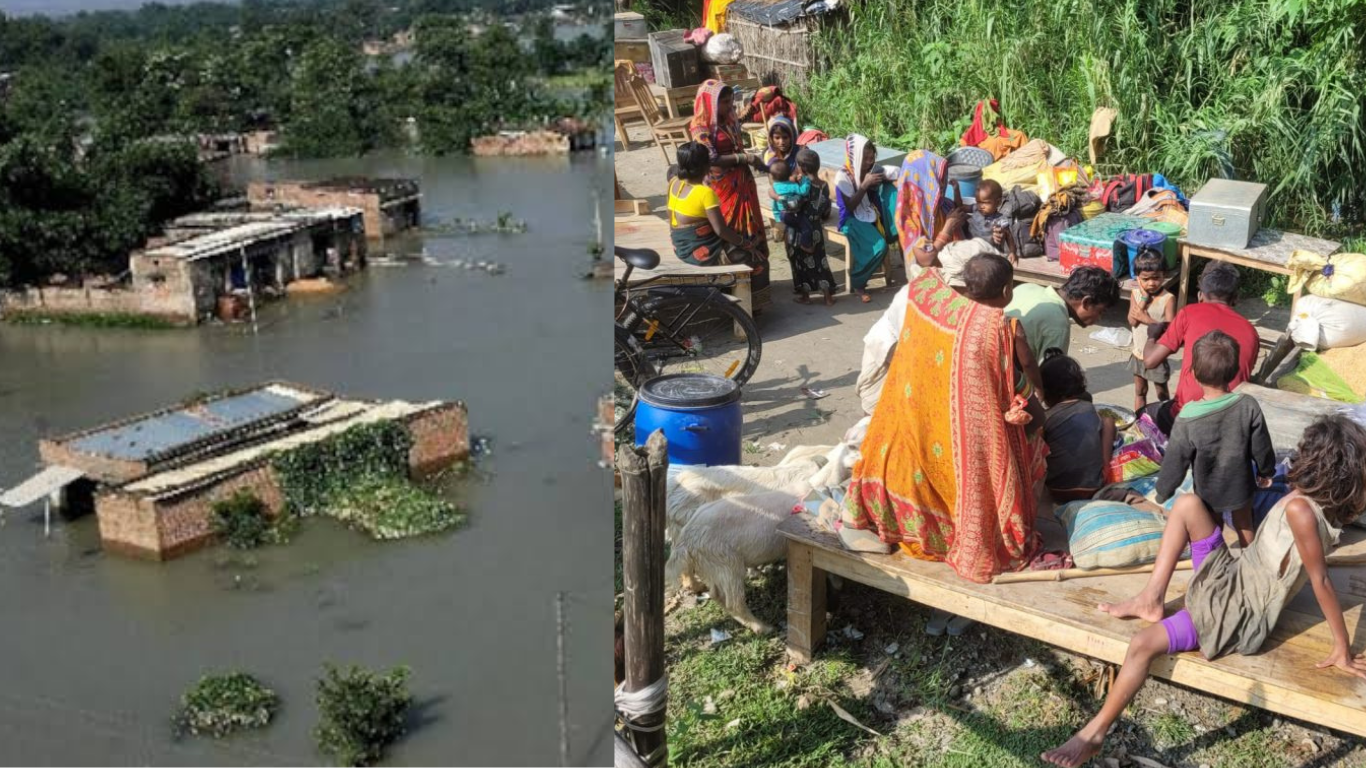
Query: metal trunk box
(629, 25)
(1226, 213)
(675, 60)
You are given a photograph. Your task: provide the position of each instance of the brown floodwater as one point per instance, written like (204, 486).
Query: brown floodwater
(96, 649)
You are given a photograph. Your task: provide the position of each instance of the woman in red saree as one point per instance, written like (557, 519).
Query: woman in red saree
(942, 473)
(714, 125)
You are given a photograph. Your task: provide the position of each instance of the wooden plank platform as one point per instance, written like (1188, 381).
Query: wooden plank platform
(1282, 678)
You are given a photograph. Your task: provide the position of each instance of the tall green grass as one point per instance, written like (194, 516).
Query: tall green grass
(1264, 90)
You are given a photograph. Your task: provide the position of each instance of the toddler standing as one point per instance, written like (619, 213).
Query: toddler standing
(1152, 303)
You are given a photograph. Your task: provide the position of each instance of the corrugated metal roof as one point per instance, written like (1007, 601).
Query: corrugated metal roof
(143, 438)
(343, 415)
(224, 240)
(40, 485)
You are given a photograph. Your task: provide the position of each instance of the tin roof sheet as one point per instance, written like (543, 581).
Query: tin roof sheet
(142, 438)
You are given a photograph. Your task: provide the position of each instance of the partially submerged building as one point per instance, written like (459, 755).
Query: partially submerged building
(389, 205)
(152, 480)
(182, 276)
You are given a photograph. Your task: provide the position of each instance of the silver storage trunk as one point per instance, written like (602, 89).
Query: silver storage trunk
(1226, 214)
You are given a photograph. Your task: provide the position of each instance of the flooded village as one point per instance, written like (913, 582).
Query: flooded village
(320, 294)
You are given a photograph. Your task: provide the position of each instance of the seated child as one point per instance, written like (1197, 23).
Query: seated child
(1233, 604)
(1219, 437)
(1218, 292)
(1080, 442)
(1151, 303)
(802, 214)
(988, 223)
(987, 279)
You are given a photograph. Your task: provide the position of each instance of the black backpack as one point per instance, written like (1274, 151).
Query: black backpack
(1021, 205)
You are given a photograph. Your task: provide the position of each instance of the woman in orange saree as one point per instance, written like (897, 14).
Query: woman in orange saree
(942, 473)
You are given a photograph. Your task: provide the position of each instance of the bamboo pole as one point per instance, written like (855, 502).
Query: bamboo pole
(1067, 574)
(643, 497)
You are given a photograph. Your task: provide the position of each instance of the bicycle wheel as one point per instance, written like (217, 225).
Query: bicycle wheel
(631, 369)
(696, 333)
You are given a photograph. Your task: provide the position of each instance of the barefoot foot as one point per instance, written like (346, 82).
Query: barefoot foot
(829, 300)
(802, 299)
(1076, 751)
(1136, 607)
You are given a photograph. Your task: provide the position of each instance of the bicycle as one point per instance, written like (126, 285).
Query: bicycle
(676, 329)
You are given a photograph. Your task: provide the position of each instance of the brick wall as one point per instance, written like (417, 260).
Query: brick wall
(101, 468)
(531, 143)
(128, 525)
(165, 304)
(262, 194)
(440, 438)
(167, 286)
(185, 523)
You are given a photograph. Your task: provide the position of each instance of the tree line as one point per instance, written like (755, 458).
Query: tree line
(89, 167)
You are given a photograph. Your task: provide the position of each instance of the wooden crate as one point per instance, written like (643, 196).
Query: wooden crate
(675, 60)
(636, 51)
(727, 72)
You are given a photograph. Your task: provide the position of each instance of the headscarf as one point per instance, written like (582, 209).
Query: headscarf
(781, 121)
(849, 178)
(705, 121)
(920, 200)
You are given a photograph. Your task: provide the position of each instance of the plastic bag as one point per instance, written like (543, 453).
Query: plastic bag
(1115, 337)
(1135, 460)
(1313, 377)
(1320, 323)
(1340, 276)
(722, 49)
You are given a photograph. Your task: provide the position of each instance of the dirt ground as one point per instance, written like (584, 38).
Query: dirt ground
(988, 698)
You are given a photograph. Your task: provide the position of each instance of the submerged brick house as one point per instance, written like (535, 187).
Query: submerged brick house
(152, 480)
(389, 205)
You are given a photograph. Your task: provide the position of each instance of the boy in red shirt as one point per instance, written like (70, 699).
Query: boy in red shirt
(1215, 312)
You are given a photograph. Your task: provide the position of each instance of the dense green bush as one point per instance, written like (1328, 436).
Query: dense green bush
(360, 477)
(361, 713)
(220, 704)
(243, 522)
(1268, 91)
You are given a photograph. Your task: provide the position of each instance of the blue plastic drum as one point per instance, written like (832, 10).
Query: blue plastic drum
(700, 416)
(1135, 240)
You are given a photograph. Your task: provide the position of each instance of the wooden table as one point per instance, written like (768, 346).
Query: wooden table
(653, 232)
(672, 98)
(1269, 251)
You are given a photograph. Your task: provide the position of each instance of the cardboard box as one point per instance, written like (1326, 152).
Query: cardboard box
(727, 72)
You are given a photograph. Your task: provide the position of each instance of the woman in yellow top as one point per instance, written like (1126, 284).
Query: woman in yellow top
(700, 233)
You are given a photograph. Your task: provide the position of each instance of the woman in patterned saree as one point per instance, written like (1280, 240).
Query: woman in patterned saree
(942, 473)
(715, 126)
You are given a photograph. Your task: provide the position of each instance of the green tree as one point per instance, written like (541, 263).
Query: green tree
(332, 106)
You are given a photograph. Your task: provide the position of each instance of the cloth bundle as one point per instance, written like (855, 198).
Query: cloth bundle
(1340, 276)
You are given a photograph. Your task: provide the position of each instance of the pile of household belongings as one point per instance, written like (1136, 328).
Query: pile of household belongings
(1327, 329)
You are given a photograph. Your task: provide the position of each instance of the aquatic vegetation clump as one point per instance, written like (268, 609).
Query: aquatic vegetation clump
(360, 477)
(361, 713)
(388, 508)
(222, 704)
(243, 522)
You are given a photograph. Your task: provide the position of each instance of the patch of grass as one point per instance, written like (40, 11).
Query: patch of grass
(1246, 89)
(1170, 729)
(1255, 748)
(93, 320)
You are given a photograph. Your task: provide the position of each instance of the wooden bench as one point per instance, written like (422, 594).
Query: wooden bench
(833, 235)
(1281, 678)
(653, 232)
